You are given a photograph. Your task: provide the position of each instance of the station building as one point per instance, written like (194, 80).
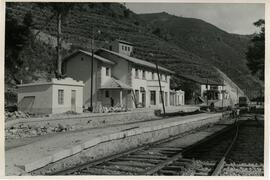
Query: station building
(120, 79)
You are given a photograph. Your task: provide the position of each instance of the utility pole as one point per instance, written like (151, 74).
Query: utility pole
(207, 92)
(222, 94)
(59, 41)
(92, 71)
(160, 90)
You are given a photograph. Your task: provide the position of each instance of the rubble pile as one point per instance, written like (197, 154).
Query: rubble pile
(104, 109)
(23, 130)
(16, 115)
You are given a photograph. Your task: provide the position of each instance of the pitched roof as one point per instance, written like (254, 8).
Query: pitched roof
(125, 42)
(138, 61)
(202, 80)
(113, 83)
(88, 54)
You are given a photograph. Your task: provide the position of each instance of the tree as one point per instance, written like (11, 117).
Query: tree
(256, 51)
(59, 9)
(17, 36)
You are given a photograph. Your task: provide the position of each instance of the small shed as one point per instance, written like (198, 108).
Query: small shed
(57, 96)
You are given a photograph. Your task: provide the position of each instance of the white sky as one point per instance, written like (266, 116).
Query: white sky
(233, 18)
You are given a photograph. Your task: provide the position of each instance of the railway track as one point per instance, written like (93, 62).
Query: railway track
(161, 159)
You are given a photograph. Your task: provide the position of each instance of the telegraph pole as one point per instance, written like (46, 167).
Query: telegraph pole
(222, 94)
(59, 41)
(160, 90)
(207, 92)
(92, 71)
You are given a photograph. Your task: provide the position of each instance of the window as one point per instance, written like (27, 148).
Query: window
(107, 94)
(136, 73)
(125, 48)
(128, 48)
(153, 76)
(60, 96)
(166, 79)
(137, 96)
(122, 47)
(107, 71)
(143, 74)
(153, 97)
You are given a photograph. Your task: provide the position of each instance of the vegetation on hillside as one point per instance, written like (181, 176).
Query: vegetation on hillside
(256, 51)
(219, 48)
(190, 47)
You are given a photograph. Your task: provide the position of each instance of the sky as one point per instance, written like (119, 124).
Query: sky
(233, 18)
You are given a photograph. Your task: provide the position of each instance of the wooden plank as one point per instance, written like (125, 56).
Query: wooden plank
(121, 168)
(145, 165)
(175, 167)
(168, 148)
(163, 164)
(201, 174)
(147, 156)
(139, 159)
(168, 172)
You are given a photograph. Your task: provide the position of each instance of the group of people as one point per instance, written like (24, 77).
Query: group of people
(235, 113)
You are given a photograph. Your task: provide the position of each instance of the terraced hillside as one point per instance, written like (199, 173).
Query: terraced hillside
(116, 22)
(221, 49)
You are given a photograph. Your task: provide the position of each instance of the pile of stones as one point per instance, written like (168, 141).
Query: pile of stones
(16, 115)
(22, 130)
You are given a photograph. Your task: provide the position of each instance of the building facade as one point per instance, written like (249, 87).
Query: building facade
(57, 96)
(215, 91)
(118, 78)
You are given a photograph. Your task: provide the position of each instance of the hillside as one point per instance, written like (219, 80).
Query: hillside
(191, 47)
(221, 49)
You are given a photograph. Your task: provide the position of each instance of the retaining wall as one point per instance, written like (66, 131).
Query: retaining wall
(115, 143)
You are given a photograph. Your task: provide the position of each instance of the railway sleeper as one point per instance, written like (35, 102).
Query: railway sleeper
(153, 161)
(201, 174)
(130, 163)
(122, 168)
(173, 167)
(97, 171)
(147, 156)
(185, 164)
(167, 172)
(168, 148)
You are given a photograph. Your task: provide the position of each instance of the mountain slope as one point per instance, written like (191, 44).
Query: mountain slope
(184, 45)
(221, 49)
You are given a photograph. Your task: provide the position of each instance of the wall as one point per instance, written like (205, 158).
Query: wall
(104, 78)
(120, 70)
(66, 106)
(124, 51)
(125, 72)
(80, 69)
(150, 85)
(42, 103)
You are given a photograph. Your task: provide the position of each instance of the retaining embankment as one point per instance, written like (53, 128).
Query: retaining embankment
(21, 128)
(114, 143)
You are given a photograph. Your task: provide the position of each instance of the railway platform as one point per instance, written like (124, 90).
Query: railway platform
(68, 149)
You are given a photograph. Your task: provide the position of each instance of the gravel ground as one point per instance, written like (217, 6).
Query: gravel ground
(245, 159)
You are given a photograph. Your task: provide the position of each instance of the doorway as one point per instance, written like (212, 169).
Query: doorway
(73, 100)
(143, 99)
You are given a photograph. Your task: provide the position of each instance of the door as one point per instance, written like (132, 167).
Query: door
(143, 99)
(153, 97)
(73, 100)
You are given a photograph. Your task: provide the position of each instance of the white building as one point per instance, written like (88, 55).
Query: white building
(118, 78)
(56, 96)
